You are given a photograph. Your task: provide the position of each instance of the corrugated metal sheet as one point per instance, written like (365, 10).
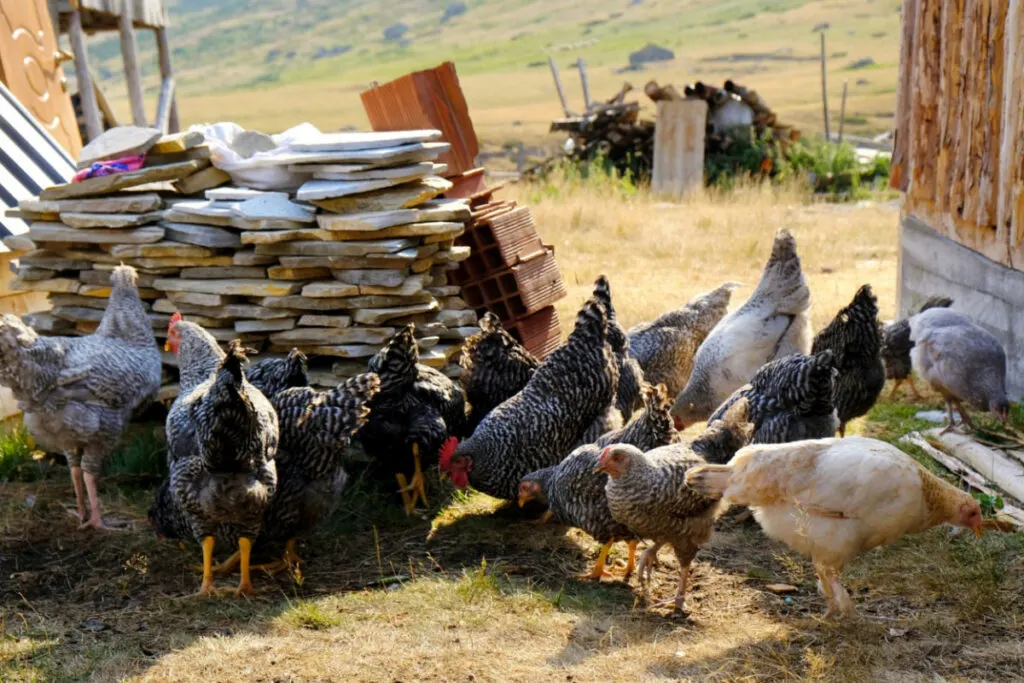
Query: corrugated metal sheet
(101, 15)
(427, 99)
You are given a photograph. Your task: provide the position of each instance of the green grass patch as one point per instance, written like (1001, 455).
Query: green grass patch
(16, 463)
(311, 615)
(143, 454)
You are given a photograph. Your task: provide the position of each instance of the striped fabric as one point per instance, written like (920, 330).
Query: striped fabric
(30, 160)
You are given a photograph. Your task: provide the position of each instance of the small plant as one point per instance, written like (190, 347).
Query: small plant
(309, 615)
(990, 505)
(16, 456)
(476, 584)
(145, 454)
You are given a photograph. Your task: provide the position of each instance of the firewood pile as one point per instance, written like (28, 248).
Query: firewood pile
(613, 132)
(333, 267)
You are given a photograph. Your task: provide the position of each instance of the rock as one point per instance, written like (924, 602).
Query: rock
(124, 203)
(251, 258)
(118, 142)
(94, 256)
(98, 291)
(187, 209)
(414, 284)
(335, 248)
(651, 53)
(301, 303)
(177, 142)
(57, 232)
(313, 190)
(404, 173)
(304, 261)
(341, 351)
(29, 273)
(226, 273)
(320, 290)
(780, 588)
(377, 316)
(449, 210)
(236, 287)
(333, 335)
(459, 333)
(327, 167)
(102, 277)
(166, 249)
(264, 325)
(206, 179)
(339, 142)
(201, 153)
(384, 301)
(53, 260)
(283, 273)
(19, 243)
(274, 207)
(240, 194)
(404, 196)
(453, 303)
(112, 183)
(86, 301)
(279, 236)
(225, 312)
(268, 224)
(445, 291)
(377, 220)
(201, 235)
(452, 318)
(862, 63)
(379, 278)
(427, 342)
(453, 255)
(156, 264)
(61, 284)
(387, 156)
(335, 321)
(348, 369)
(109, 220)
(413, 254)
(435, 232)
(47, 323)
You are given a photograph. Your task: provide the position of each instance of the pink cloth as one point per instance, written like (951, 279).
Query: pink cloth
(110, 167)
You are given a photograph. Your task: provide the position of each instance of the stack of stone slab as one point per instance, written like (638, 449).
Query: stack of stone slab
(333, 268)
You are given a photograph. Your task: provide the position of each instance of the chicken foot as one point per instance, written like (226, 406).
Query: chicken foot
(207, 589)
(95, 519)
(645, 568)
(288, 560)
(79, 484)
(839, 602)
(599, 572)
(245, 582)
(631, 562)
(684, 556)
(417, 485)
(965, 420)
(897, 383)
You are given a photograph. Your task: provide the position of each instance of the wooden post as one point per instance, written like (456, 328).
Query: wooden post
(583, 80)
(842, 112)
(558, 85)
(104, 105)
(164, 52)
(679, 146)
(824, 88)
(90, 109)
(130, 54)
(163, 108)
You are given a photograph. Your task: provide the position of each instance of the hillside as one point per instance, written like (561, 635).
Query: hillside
(273, 63)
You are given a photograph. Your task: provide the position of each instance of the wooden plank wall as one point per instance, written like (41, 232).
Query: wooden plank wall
(959, 153)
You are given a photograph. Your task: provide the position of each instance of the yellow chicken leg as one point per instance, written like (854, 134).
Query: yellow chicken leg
(207, 588)
(288, 560)
(631, 562)
(245, 583)
(227, 566)
(598, 572)
(403, 490)
(417, 486)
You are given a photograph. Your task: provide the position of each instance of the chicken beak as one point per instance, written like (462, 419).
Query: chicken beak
(167, 346)
(523, 499)
(599, 469)
(977, 529)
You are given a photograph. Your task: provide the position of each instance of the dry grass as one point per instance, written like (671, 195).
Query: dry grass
(475, 592)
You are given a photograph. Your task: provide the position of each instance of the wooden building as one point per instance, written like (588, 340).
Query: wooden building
(959, 162)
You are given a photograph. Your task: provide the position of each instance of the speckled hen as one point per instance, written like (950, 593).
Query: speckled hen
(896, 347)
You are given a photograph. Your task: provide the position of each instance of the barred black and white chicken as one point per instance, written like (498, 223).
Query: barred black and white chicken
(628, 398)
(855, 339)
(789, 399)
(896, 347)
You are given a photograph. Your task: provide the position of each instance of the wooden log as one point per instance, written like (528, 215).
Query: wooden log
(679, 147)
(951, 100)
(900, 175)
(558, 86)
(164, 104)
(163, 49)
(962, 132)
(583, 82)
(90, 109)
(130, 55)
(993, 464)
(104, 105)
(824, 87)
(1012, 143)
(925, 111)
(842, 111)
(992, 125)
(976, 121)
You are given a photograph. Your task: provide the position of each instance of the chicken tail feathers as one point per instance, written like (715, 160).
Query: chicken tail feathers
(935, 302)
(234, 361)
(709, 480)
(783, 280)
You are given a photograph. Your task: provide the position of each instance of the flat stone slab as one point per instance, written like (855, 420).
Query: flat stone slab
(330, 189)
(264, 325)
(28, 273)
(327, 167)
(202, 208)
(413, 284)
(201, 181)
(177, 142)
(384, 301)
(248, 257)
(165, 249)
(453, 303)
(120, 141)
(47, 323)
(363, 248)
(224, 273)
(78, 313)
(102, 277)
(321, 290)
(225, 311)
(58, 232)
(337, 142)
(54, 260)
(283, 273)
(63, 285)
(445, 290)
(112, 183)
(399, 173)
(437, 232)
(450, 318)
(239, 194)
(453, 255)
(372, 221)
(279, 236)
(376, 316)
(238, 287)
(19, 243)
(174, 262)
(141, 202)
(269, 224)
(274, 207)
(202, 235)
(405, 196)
(383, 156)
(305, 261)
(109, 220)
(379, 278)
(302, 303)
(335, 321)
(325, 335)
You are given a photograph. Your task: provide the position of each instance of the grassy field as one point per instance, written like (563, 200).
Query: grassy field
(471, 591)
(232, 63)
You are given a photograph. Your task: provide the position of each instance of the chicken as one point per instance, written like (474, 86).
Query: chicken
(646, 493)
(273, 375)
(961, 361)
(416, 409)
(631, 377)
(78, 393)
(855, 340)
(537, 427)
(666, 345)
(222, 436)
(495, 368)
(773, 323)
(650, 428)
(896, 347)
(834, 499)
(725, 434)
(789, 399)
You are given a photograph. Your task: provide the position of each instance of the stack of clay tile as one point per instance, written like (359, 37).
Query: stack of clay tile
(333, 268)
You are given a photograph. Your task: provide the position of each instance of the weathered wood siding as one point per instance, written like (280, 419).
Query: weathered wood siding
(959, 154)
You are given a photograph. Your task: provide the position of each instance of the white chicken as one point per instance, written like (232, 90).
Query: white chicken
(834, 499)
(773, 323)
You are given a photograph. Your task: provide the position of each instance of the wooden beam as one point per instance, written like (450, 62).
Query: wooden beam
(924, 111)
(992, 120)
(583, 81)
(900, 176)
(104, 105)
(679, 132)
(558, 86)
(842, 111)
(824, 87)
(163, 109)
(163, 49)
(951, 99)
(91, 111)
(1012, 143)
(130, 55)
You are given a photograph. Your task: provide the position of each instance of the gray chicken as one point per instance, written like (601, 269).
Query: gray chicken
(665, 346)
(651, 428)
(961, 361)
(631, 376)
(79, 393)
(789, 399)
(896, 347)
(647, 494)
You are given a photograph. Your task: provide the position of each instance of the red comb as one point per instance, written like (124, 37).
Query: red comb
(175, 319)
(446, 452)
